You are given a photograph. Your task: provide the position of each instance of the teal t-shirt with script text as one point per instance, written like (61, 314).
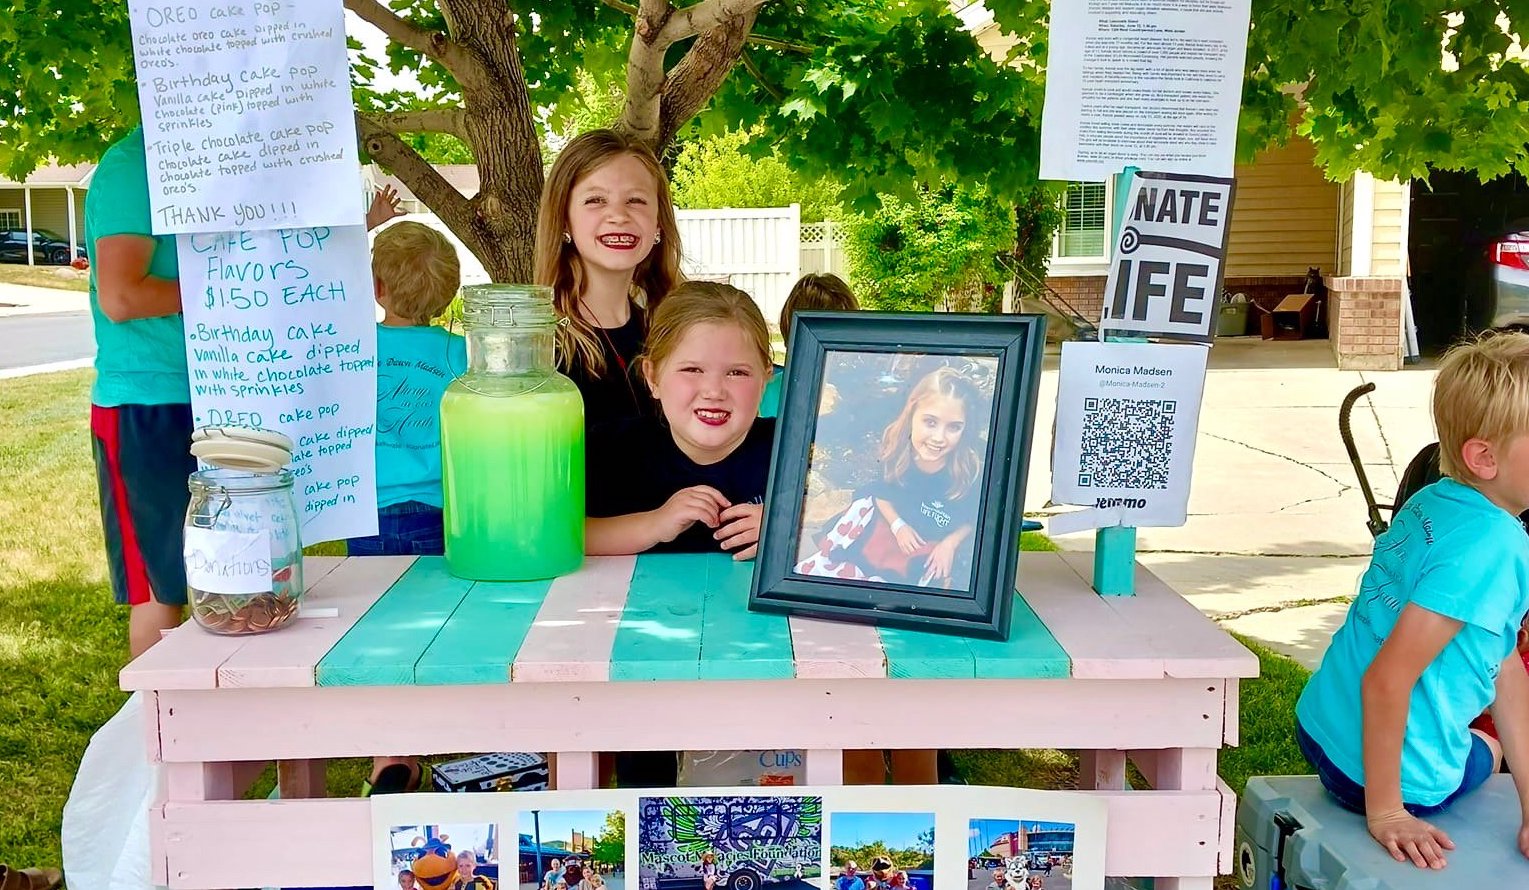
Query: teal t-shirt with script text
(414, 366)
(143, 361)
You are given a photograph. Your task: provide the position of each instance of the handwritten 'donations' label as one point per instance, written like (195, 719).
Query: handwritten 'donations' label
(281, 335)
(219, 561)
(247, 114)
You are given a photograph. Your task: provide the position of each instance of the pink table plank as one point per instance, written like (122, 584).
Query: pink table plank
(828, 650)
(1190, 644)
(189, 657)
(572, 636)
(287, 657)
(210, 844)
(279, 724)
(1099, 645)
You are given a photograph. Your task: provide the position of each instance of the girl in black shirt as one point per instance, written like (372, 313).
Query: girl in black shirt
(608, 246)
(693, 478)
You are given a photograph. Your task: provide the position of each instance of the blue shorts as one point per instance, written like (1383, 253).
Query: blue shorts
(408, 529)
(1350, 794)
(143, 458)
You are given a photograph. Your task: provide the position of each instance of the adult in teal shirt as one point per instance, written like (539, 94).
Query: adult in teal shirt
(140, 404)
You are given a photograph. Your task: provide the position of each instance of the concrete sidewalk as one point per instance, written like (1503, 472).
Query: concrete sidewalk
(1276, 537)
(24, 299)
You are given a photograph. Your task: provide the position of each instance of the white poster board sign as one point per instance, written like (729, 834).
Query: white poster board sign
(1126, 419)
(785, 831)
(281, 334)
(1146, 83)
(247, 115)
(1165, 274)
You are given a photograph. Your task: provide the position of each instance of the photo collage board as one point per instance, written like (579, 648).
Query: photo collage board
(783, 838)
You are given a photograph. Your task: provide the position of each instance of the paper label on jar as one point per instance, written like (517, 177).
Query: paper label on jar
(228, 562)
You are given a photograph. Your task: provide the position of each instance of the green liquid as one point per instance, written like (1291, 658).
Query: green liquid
(513, 475)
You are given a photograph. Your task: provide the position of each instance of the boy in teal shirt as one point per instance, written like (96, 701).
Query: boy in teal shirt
(416, 273)
(1429, 642)
(811, 291)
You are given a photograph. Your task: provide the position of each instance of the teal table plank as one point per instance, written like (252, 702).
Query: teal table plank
(916, 655)
(1030, 653)
(659, 637)
(386, 643)
(739, 644)
(480, 640)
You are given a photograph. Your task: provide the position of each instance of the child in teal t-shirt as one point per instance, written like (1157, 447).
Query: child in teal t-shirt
(416, 273)
(1430, 641)
(811, 291)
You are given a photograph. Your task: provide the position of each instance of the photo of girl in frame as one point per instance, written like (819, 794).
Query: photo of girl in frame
(907, 517)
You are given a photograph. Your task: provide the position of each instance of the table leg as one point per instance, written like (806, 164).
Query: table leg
(1102, 770)
(575, 770)
(825, 767)
(298, 779)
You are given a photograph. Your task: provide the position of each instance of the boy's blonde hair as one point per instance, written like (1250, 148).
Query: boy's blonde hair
(419, 268)
(1481, 392)
(815, 291)
(699, 302)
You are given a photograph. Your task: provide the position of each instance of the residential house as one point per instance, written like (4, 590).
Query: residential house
(52, 198)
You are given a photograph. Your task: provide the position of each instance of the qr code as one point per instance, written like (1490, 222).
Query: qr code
(1127, 443)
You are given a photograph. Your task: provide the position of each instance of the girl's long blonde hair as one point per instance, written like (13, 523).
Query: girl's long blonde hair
(965, 462)
(558, 264)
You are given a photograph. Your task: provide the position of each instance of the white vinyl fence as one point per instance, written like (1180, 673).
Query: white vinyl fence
(761, 251)
(823, 249)
(756, 250)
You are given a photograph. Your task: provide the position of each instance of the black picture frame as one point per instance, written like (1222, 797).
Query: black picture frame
(1010, 349)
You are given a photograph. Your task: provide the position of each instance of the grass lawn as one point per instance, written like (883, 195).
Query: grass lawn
(62, 640)
(43, 276)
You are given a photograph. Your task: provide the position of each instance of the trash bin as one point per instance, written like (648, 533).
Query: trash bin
(1291, 835)
(1232, 320)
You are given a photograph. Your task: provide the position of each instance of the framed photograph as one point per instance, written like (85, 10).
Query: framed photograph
(897, 485)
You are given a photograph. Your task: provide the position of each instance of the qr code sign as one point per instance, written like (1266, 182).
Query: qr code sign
(1127, 443)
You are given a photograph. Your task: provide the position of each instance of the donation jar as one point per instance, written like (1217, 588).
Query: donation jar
(512, 444)
(243, 552)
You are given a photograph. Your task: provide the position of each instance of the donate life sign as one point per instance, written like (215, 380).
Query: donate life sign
(1165, 278)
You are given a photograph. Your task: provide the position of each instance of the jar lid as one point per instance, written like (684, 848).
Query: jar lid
(242, 448)
(508, 305)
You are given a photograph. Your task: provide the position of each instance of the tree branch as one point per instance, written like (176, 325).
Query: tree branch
(758, 75)
(425, 120)
(756, 39)
(696, 77)
(423, 180)
(703, 17)
(433, 44)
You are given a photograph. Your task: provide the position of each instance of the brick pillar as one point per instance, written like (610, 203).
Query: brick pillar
(1364, 319)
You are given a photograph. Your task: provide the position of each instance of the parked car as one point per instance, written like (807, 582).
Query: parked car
(48, 247)
(1508, 256)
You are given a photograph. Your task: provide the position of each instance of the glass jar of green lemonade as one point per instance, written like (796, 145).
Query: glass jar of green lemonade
(512, 444)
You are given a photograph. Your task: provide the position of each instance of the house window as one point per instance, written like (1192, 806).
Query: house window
(10, 219)
(1084, 211)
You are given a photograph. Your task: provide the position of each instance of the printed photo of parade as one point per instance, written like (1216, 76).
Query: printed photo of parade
(743, 843)
(1010, 854)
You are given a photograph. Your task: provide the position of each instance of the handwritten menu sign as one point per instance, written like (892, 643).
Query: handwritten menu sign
(281, 334)
(247, 114)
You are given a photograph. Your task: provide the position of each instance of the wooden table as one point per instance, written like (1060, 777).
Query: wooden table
(421, 662)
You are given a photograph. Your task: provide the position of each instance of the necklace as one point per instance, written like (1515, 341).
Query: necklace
(615, 353)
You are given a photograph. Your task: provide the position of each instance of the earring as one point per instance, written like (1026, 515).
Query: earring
(657, 237)
(567, 238)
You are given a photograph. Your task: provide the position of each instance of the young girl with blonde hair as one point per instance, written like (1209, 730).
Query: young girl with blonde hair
(704, 464)
(608, 246)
